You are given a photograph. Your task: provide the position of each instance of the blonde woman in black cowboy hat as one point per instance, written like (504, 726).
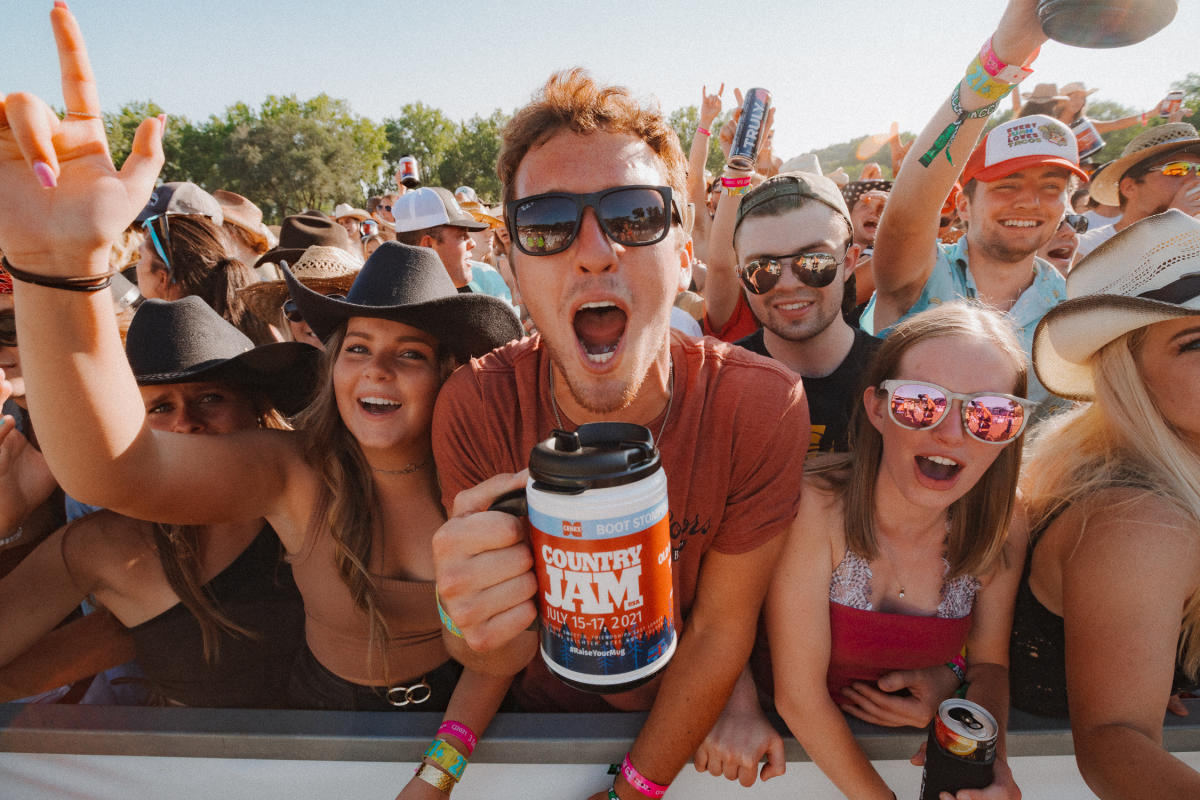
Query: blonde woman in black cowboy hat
(1108, 613)
(352, 496)
(214, 616)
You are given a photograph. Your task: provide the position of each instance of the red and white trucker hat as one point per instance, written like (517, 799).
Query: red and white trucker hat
(1035, 141)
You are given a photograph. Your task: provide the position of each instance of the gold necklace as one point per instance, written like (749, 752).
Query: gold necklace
(670, 399)
(410, 469)
(902, 582)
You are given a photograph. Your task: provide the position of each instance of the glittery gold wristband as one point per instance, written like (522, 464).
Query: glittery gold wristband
(446, 756)
(436, 778)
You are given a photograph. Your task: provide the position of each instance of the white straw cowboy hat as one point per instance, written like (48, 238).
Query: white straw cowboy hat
(1147, 273)
(1146, 145)
(321, 268)
(1076, 86)
(342, 210)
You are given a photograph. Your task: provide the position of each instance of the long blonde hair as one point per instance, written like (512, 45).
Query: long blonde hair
(1119, 440)
(979, 519)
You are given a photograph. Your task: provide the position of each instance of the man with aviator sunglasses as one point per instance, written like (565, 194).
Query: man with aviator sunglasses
(795, 255)
(597, 210)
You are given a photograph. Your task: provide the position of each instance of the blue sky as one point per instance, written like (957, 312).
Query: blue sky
(837, 70)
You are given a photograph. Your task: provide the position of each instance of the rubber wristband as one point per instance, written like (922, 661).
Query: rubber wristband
(612, 795)
(1005, 73)
(78, 283)
(640, 782)
(735, 183)
(449, 623)
(704, 131)
(462, 732)
(436, 778)
(958, 669)
(446, 756)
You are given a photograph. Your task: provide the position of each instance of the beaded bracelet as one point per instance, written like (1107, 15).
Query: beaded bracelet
(442, 781)
(449, 623)
(79, 283)
(464, 733)
(946, 138)
(640, 782)
(446, 756)
(612, 795)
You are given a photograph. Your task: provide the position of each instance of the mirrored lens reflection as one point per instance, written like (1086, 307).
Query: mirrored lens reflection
(994, 419)
(917, 406)
(546, 224)
(634, 216)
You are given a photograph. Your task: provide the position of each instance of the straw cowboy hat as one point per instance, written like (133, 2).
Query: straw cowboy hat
(240, 211)
(410, 285)
(1045, 91)
(1146, 145)
(186, 341)
(1076, 86)
(482, 213)
(343, 210)
(1147, 273)
(328, 270)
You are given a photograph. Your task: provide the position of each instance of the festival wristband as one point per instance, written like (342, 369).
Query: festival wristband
(704, 131)
(640, 782)
(436, 778)
(735, 183)
(612, 795)
(1005, 73)
(449, 623)
(984, 85)
(446, 756)
(946, 138)
(959, 667)
(464, 734)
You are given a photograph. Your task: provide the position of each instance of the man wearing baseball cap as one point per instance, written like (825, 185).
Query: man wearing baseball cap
(1014, 197)
(1158, 170)
(431, 217)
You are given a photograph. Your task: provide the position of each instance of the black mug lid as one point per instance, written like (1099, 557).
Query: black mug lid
(597, 455)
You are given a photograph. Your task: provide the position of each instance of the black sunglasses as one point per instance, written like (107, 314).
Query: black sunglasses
(8, 329)
(817, 270)
(1077, 221)
(634, 216)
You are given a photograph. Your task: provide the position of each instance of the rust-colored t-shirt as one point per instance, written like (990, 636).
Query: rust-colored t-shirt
(739, 325)
(733, 452)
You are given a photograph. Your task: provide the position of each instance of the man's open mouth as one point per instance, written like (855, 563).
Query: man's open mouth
(599, 327)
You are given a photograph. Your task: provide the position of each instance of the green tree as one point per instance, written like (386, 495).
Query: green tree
(291, 155)
(471, 157)
(422, 132)
(685, 121)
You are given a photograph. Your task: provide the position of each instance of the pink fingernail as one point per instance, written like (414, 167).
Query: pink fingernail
(44, 174)
(60, 4)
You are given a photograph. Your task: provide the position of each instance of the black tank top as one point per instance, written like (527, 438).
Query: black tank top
(257, 593)
(1037, 666)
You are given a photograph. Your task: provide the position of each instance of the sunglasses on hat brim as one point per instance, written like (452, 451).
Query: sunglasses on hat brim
(990, 417)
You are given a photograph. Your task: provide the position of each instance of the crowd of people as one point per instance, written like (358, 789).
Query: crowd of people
(925, 437)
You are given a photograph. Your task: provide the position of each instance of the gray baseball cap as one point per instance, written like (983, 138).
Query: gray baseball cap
(793, 184)
(181, 197)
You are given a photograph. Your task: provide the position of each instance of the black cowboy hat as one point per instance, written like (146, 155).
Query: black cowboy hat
(300, 232)
(186, 341)
(410, 285)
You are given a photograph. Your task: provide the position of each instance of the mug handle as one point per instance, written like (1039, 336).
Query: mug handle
(513, 502)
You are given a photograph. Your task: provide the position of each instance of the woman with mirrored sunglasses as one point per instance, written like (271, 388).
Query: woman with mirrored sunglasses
(898, 558)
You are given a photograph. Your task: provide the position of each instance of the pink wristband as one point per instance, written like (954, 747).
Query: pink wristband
(462, 732)
(734, 183)
(640, 782)
(705, 131)
(1005, 73)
